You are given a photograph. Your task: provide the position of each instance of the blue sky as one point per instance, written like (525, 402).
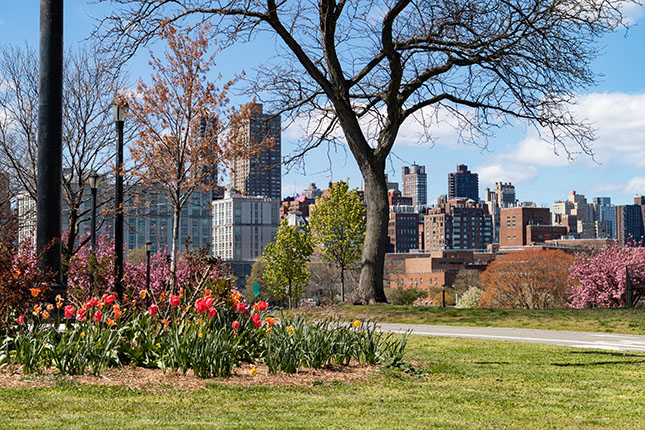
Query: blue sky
(616, 107)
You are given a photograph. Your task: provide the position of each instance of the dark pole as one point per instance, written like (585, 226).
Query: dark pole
(148, 248)
(93, 223)
(93, 180)
(50, 140)
(628, 293)
(443, 296)
(118, 217)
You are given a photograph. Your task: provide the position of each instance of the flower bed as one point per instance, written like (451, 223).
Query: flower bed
(209, 335)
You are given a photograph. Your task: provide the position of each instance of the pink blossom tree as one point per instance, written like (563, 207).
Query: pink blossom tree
(599, 278)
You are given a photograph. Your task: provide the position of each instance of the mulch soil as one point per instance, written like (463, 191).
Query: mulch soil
(155, 380)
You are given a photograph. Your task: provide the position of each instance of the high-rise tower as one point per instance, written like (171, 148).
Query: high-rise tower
(463, 183)
(415, 184)
(261, 174)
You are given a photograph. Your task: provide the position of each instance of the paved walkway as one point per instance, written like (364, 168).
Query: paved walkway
(614, 342)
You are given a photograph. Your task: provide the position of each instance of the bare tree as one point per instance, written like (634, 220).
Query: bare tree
(364, 67)
(89, 87)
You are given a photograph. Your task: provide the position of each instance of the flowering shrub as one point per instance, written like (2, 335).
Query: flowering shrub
(196, 271)
(22, 283)
(599, 278)
(470, 298)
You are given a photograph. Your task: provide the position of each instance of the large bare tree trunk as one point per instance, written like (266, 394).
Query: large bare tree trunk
(370, 289)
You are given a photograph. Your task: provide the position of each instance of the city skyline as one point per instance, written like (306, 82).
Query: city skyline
(614, 107)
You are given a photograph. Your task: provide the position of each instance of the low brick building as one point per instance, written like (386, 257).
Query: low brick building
(432, 270)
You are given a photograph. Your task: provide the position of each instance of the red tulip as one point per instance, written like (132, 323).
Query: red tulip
(108, 299)
(69, 311)
(263, 306)
(20, 320)
(241, 307)
(212, 312)
(200, 305)
(209, 301)
(97, 316)
(174, 301)
(153, 309)
(91, 303)
(235, 325)
(256, 320)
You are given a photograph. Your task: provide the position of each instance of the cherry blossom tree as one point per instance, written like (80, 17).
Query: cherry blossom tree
(599, 278)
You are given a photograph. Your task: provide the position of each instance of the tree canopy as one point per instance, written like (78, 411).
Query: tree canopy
(285, 262)
(354, 71)
(530, 279)
(337, 224)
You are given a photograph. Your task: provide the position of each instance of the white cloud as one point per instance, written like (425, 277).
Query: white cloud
(636, 185)
(535, 152)
(620, 126)
(632, 12)
(500, 171)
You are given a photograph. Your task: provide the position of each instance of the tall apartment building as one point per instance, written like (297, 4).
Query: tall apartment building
(629, 224)
(605, 217)
(415, 184)
(26, 218)
(403, 224)
(403, 229)
(148, 217)
(460, 224)
(260, 175)
(463, 183)
(243, 226)
(207, 131)
(505, 194)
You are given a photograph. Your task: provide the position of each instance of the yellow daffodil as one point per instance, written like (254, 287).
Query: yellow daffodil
(356, 323)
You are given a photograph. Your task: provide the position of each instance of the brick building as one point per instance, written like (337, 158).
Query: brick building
(438, 268)
(402, 229)
(300, 204)
(514, 222)
(460, 224)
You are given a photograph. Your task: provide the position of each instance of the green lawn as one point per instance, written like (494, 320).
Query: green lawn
(626, 321)
(470, 384)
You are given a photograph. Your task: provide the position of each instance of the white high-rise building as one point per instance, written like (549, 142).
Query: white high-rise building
(243, 226)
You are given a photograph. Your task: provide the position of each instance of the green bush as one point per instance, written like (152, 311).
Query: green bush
(406, 296)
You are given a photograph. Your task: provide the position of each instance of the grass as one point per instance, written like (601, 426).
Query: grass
(625, 321)
(469, 384)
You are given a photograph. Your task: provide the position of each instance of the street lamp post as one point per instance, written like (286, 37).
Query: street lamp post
(94, 181)
(443, 296)
(120, 112)
(148, 248)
